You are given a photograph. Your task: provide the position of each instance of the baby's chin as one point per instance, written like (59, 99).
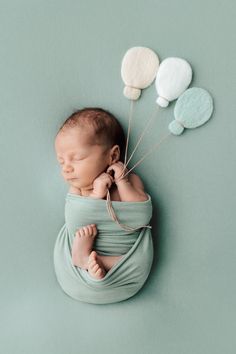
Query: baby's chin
(74, 182)
(77, 183)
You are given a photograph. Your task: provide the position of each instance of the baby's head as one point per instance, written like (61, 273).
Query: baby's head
(88, 142)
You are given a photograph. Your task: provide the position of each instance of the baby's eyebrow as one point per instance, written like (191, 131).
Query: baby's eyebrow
(71, 154)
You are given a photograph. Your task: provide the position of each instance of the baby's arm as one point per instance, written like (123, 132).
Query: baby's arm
(131, 189)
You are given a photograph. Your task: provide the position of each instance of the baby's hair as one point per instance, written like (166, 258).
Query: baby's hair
(104, 127)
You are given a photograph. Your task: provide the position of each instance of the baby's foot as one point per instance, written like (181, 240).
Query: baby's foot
(95, 267)
(82, 245)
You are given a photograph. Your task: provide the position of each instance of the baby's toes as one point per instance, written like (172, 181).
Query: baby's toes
(94, 230)
(90, 230)
(91, 264)
(99, 272)
(95, 268)
(79, 232)
(86, 231)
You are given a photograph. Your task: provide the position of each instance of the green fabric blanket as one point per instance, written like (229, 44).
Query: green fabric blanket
(127, 276)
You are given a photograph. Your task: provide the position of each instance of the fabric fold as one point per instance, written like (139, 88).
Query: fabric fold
(127, 276)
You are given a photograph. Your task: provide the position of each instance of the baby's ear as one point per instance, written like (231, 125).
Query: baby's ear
(115, 153)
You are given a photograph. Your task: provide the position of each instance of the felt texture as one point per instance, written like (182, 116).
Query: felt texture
(127, 276)
(192, 109)
(138, 70)
(173, 77)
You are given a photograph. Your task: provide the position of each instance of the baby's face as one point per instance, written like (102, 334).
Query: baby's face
(80, 162)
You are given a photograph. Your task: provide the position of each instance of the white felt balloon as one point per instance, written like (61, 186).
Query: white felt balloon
(173, 77)
(193, 108)
(138, 70)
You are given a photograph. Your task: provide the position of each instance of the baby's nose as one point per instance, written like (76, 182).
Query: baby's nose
(67, 168)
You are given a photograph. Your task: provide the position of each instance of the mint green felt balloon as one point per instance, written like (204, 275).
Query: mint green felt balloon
(193, 108)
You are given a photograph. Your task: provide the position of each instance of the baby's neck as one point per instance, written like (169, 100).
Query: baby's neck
(85, 192)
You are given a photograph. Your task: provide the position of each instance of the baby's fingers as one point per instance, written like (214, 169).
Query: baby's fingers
(110, 169)
(109, 182)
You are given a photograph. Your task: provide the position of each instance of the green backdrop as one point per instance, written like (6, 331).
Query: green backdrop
(58, 56)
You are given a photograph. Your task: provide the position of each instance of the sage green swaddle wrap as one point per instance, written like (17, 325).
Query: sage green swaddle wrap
(127, 276)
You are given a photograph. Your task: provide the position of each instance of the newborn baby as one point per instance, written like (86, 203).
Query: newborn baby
(90, 149)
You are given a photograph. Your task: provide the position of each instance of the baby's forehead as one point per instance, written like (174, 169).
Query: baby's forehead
(76, 139)
(76, 134)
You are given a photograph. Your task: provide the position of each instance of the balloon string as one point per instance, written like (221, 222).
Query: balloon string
(108, 199)
(128, 134)
(141, 136)
(148, 153)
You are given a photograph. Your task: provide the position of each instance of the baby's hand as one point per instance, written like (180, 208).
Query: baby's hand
(100, 185)
(119, 171)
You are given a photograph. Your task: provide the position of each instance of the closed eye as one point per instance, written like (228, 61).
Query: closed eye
(62, 162)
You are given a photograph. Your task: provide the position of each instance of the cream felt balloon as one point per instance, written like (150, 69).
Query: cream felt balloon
(193, 108)
(138, 70)
(173, 78)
